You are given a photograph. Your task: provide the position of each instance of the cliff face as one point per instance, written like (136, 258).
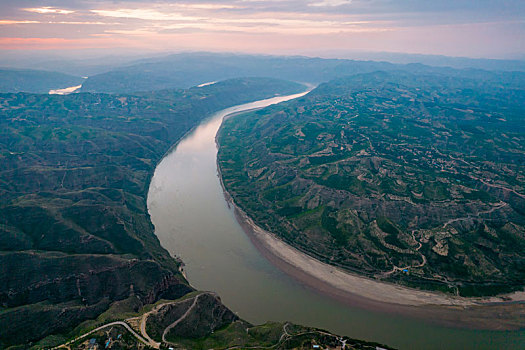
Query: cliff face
(75, 234)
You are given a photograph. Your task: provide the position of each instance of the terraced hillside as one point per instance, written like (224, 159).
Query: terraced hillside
(75, 235)
(417, 179)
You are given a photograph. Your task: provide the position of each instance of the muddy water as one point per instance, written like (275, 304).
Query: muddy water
(192, 220)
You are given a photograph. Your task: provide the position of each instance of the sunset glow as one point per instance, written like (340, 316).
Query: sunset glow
(457, 28)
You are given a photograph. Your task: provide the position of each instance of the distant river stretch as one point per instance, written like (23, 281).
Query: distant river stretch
(193, 220)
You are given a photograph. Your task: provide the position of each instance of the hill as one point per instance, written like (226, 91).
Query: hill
(410, 178)
(199, 320)
(191, 69)
(75, 235)
(35, 81)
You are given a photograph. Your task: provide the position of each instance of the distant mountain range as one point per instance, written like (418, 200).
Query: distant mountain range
(186, 70)
(91, 62)
(189, 69)
(35, 81)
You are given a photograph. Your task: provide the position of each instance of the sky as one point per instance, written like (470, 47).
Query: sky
(468, 28)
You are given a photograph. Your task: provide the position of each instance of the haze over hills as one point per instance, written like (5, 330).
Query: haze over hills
(185, 70)
(517, 64)
(128, 73)
(36, 81)
(74, 62)
(190, 69)
(91, 61)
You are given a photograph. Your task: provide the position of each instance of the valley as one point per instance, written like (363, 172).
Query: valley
(245, 174)
(375, 221)
(73, 188)
(261, 278)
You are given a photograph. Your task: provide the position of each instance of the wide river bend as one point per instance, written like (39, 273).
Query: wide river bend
(194, 221)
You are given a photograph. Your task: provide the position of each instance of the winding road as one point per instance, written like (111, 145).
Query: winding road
(144, 336)
(116, 323)
(167, 329)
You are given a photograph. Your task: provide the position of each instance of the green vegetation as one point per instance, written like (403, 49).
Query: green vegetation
(390, 171)
(75, 235)
(223, 330)
(271, 335)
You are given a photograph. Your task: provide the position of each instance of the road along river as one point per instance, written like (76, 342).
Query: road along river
(193, 220)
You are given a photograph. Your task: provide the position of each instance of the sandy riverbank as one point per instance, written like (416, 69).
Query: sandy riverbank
(498, 313)
(504, 312)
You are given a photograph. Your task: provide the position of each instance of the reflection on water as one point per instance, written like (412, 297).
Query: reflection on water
(65, 91)
(192, 220)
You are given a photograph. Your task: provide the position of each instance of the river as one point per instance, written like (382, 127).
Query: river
(65, 91)
(194, 221)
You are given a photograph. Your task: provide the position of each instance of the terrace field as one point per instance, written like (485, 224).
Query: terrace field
(412, 179)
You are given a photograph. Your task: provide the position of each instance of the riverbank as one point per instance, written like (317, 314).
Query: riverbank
(504, 312)
(193, 221)
(491, 313)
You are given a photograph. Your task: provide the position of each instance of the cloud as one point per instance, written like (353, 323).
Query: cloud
(330, 3)
(49, 10)
(10, 22)
(145, 14)
(200, 17)
(341, 24)
(206, 6)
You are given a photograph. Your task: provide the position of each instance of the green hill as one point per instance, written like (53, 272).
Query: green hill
(75, 235)
(411, 178)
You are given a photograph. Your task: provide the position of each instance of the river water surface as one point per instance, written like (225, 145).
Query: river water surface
(193, 220)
